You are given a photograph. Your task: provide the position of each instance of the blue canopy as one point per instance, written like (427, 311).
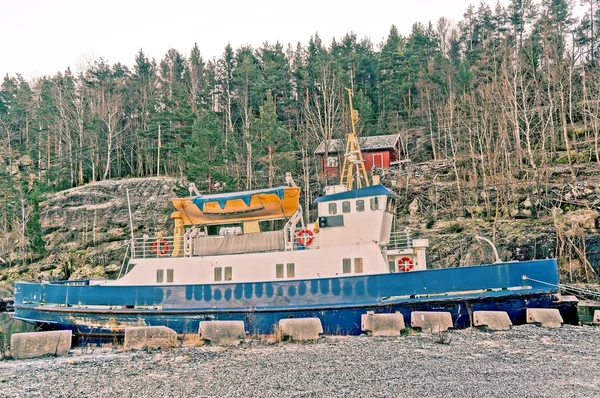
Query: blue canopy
(374, 190)
(246, 196)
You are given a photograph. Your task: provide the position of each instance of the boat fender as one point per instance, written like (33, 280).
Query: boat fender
(304, 237)
(405, 264)
(160, 246)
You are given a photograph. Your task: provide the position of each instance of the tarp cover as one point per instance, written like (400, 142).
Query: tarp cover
(246, 196)
(248, 243)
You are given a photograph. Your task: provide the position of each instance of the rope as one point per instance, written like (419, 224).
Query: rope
(577, 290)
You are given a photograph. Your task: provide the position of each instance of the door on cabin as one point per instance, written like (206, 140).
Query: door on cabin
(378, 160)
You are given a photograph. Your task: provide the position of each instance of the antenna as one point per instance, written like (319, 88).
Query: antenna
(353, 159)
(130, 224)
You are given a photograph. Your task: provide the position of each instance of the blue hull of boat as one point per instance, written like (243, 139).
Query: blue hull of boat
(104, 310)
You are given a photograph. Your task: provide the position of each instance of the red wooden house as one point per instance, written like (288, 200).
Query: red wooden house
(379, 151)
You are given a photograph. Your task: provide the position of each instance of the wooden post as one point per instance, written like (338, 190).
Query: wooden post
(158, 161)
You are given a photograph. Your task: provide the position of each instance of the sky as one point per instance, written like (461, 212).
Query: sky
(43, 37)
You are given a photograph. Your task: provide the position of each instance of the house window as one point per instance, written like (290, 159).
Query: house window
(332, 208)
(291, 270)
(218, 274)
(345, 206)
(159, 275)
(346, 265)
(228, 273)
(169, 276)
(360, 205)
(358, 265)
(375, 203)
(279, 270)
(332, 161)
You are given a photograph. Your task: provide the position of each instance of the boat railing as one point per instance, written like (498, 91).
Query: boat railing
(400, 239)
(157, 247)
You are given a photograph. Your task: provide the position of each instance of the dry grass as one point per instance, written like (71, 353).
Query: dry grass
(191, 340)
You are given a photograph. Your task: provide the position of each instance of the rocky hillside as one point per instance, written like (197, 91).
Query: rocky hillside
(86, 228)
(559, 218)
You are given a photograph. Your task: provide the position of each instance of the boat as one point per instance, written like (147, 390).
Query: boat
(250, 256)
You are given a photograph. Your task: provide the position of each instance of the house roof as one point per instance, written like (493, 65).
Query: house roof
(366, 144)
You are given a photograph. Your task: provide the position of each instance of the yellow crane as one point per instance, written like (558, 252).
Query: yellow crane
(354, 164)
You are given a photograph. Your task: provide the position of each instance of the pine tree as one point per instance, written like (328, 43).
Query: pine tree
(33, 228)
(202, 153)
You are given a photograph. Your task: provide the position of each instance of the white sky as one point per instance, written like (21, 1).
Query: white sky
(42, 37)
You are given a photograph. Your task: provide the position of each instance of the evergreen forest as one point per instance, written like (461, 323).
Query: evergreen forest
(502, 96)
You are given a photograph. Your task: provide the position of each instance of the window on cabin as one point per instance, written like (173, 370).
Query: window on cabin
(346, 265)
(358, 265)
(291, 270)
(279, 270)
(375, 203)
(228, 273)
(159, 275)
(391, 206)
(345, 206)
(218, 274)
(169, 276)
(332, 208)
(360, 205)
(392, 265)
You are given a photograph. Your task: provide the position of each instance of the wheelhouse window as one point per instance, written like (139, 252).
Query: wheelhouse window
(375, 203)
(228, 273)
(345, 206)
(160, 275)
(291, 270)
(391, 206)
(360, 205)
(218, 274)
(333, 208)
(279, 271)
(358, 265)
(169, 276)
(346, 265)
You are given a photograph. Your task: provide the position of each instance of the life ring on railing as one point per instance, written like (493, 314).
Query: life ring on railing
(156, 246)
(405, 264)
(304, 237)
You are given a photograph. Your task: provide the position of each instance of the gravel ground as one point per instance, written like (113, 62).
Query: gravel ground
(527, 361)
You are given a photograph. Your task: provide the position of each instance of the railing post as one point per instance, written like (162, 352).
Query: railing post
(132, 247)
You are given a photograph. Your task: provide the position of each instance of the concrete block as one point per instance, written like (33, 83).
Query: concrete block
(222, 332)
(382, 324)
(494, 320)
(431, 322)
(596, 320)
(548, 317)
(300, 328)
(37, 344)
(140, 337)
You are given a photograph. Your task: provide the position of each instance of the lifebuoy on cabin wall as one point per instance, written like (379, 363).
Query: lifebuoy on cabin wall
(304, 237)
(160, 246)
(405, 264)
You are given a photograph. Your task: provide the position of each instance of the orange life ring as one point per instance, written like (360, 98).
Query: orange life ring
(157, 244)
(304, 237)
(405, 264)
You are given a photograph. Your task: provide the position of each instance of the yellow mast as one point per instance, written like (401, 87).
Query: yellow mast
(353, 156)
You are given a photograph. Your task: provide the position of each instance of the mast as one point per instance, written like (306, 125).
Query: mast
(354, 164)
